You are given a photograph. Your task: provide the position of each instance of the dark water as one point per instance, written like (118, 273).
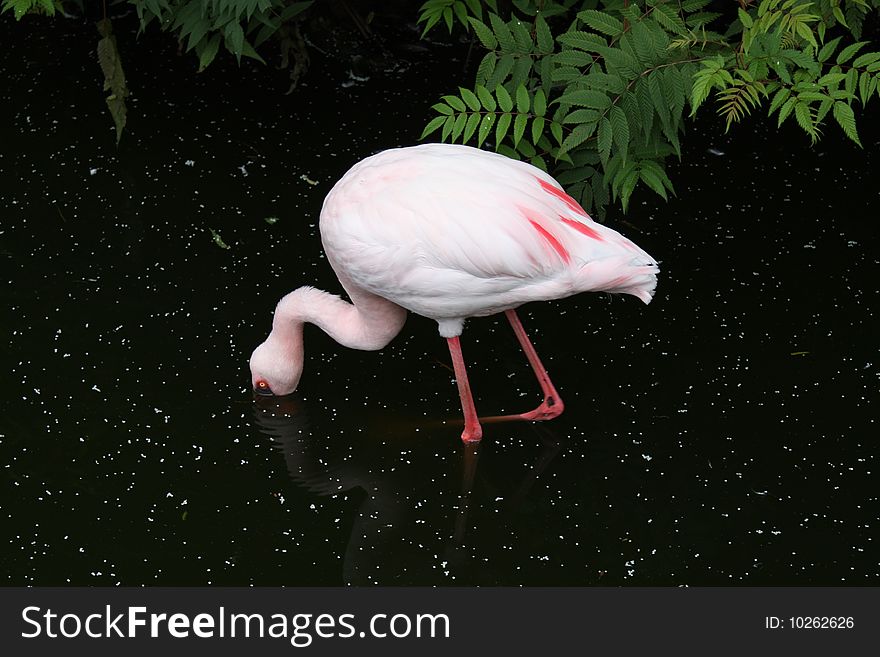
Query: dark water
(725, 434)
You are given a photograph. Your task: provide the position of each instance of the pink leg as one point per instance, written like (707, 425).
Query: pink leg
(552, 405)
(472, 429)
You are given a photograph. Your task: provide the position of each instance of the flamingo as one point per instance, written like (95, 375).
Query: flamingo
(448, 232)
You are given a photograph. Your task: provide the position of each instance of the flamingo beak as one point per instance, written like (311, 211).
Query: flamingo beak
(262, 388)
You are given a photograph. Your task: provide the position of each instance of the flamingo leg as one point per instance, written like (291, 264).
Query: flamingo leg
(552, 405)
(472, 429)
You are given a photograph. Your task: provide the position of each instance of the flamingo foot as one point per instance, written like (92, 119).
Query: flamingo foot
(551, 407)
(472, 434)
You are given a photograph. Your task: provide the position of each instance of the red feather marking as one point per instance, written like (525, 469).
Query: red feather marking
(573, 205)
(582, 228)
(552, 241)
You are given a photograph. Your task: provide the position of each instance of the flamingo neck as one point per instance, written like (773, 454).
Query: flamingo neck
(369, 323)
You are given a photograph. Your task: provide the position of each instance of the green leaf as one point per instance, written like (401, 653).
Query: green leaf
(806, 34)
(544, 35)
(208, 52)
(827, 50)
(852, 79)
(601, 22)
(470, 98)
(577, 137)
(805, 119)
(486, 98)
(646, 106)
(781, 70)
(502, 33)
(199, 29)
(846, 119)
(519, 128)
(781, 96)
(831, 79)
(802, 59)
(846, 54)
(864, 88)
(501, 129)
(604, 139)
(485, 127)
(502, 70)
(487, 67)
(248, 51)
(604, 82)
(651, 180)
(539, 103)
(620, 61)
(471, 127)
(521, 36)
(668, 18)
(785, 110)
(582, 40)
(556, 131)
(586, 98)
(576, 58)
(458, 126)
(581, 116)
(526, 148)
(433, 124)
(744, 18)
(620, 129)
(455, 102)
(48, 7)
(627, 187)
(658, 172)
(447, 128)
(504, 100)
(545, 71)
(694, 5)
(537, 129)
(630, 105)
(461, 13)
(522, 100)
(867, 58)
(234, 38)
(806, 96)
(19, 7)
(522, 71)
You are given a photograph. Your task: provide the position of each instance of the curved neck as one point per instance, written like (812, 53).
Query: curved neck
(370, 323)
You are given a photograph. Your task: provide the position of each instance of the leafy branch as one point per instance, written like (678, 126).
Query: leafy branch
(601, 101)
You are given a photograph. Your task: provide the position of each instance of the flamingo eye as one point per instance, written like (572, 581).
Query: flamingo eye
(262, 388)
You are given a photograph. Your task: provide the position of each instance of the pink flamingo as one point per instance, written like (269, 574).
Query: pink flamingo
(448, 232)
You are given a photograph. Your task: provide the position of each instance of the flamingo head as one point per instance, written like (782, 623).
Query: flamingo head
(275, 370)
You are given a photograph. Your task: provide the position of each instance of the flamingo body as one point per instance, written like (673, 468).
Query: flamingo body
(451, 232)
(448, 232)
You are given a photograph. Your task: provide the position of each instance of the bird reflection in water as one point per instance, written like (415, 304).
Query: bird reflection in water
(411, 526)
